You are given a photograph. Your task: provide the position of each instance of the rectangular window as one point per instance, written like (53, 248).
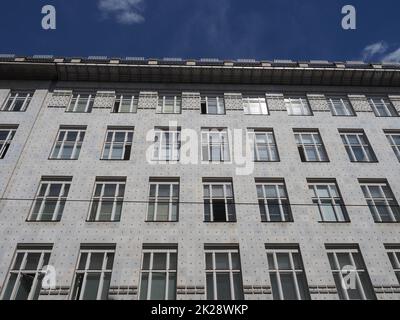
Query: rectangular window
(118, 144)
(340, 106)
(219, 203)
(81, 103)
(286, 271)
(297, 106)
(24, 280)
(50, 199)
(357, 146)
(167, 144)
(68, 143)
(163, 200)
(350, 273)
(310, 146)
(326, 195)
(212, 105)
(170, 104)
(215, 145)
(394, 140)
(158, 273)
(17, 101)
(273, 200)
(125, 103)
(223, 273)
(381, 201)
(393, 252)
(93, 273)
(264, 145)
(382, 107)
(6, 136)
(107, 199)
(255, 105)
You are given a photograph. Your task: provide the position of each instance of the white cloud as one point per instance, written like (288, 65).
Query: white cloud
(392, 56)
(124, 11)
(374, 49)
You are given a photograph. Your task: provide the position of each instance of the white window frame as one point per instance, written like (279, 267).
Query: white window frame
(394, 257)
(220, 102)
(177, 104)
(322, 155)
(262, 105)
(126, 143)
(157, 199)
(150, 271)
(9, 104)
(60, 198)
(225, 197)
(355, 272)
(223, 144)
(130, 100)
(293, 271)
(161, 146)
(270, 145)
(86, 271)
(371, 201)
(388, 108)
(101, 198)
(214, 271)
(396, 147)
(20, 272)
(304, 106)
(364, 146)
(335, 202)
(5, 144)
(261, 185)
(77, 144)
(345, 104)
(74, 102)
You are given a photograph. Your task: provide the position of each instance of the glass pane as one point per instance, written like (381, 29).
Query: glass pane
(237, 285)
(172, 286)
(143, 286)
(106, 286)
(283, 261)
(223, 286)
(221, 261)
(209, 261)
(32, 261)
(96, 261)
(10, 286)
(210, 286)
(91, 286)
(235, 261)
(159, 261)
(25, 286)
(288, 286)
(158, 285)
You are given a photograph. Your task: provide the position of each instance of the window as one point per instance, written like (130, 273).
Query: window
(6, 136)
(219, 204)
(163, 200)
(393, 252)
(118, 144)
(170, 104)
(350, 273)
(357, 146)
(255, 105)
(326, 195)
(108, 196)
(273, 201)
(93, 273)
(394, 140)
(68, 143)
(125, 103)
(24, 280)
(212, 105)
(81, 103)
(297, 107)
(50, 199)
(223, 274)
(167, 144)
(265, 148)
(340, 106)
(286, 271)
(381, 201)
(310, 146)
(158, 274)
(382, 107)
(17, 101)
(215, 145)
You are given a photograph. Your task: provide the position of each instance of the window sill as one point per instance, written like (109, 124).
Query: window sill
(364, 161)
(167, 222)
(219, 222)
(102, 221)
(62, 159)
(40, 221)
(334, 222)
(277, 222)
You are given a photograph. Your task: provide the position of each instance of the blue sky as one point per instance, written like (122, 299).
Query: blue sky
(225, 29)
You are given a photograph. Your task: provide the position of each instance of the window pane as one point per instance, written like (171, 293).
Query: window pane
(158, 285)
(91, 286)
(223, 286)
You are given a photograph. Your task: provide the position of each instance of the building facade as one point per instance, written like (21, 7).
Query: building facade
(99, 198)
